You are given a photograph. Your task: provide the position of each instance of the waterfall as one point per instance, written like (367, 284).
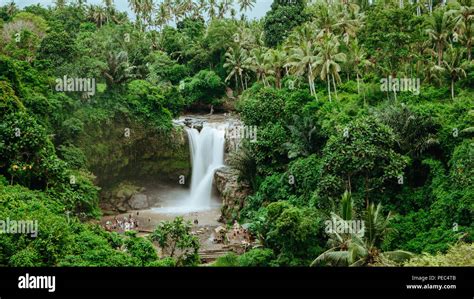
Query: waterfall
(207, 155)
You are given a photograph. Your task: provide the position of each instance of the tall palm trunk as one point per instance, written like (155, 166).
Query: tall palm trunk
(278, 78)
(329, 87)
(440, 54)
(236, 82)
(452, 89)
(334, 84)
(312, 88)
(358, 84)
(469, 49)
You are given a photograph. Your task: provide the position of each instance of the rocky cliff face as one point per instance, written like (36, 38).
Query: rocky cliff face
(233, 193)
(122, 149)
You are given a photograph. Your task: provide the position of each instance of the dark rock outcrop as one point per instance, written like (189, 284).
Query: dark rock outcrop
(139, 202)
(232, 191)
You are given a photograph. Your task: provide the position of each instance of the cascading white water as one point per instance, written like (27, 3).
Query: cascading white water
(207, 155)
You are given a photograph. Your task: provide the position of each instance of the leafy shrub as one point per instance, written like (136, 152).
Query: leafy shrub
(73, 156)
(71, 128)
(91, 249)
(27, 257)
(163, 263)
(228, 260)
(176, 241)
(146, 103)
(458, 255)
(294, 234)
(256, 258)
(246, 165)
(9, 102)
(141, 249)
(268, 150)
(77, 192)
(164, 69)
(205, 88)
(306, 174)
(258, 108)
(173, 100)
(416, 232)
(53, 239)
(361, 157)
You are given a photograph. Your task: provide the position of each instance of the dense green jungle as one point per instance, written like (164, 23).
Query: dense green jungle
(362, 153)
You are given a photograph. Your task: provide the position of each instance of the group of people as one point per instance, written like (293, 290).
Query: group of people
(126, 224)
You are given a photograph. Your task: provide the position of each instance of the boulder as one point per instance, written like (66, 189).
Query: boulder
(188, 122)
(139, 202)
(121, 208)
(198, 126)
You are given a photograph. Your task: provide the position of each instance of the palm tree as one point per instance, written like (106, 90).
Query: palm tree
(237, 61)
(305, 137)
(233, 13)
(228, 4)
(328, 61)
(418, 5)
(415, 133)
(364, 4)
(275, 61)
(432, 71)
(349, 22)
(186, 7)
(243, 160)
(301, 34)
(223, 7)
(454, 66)
(108, 3)
(440, 26)
(147, 7)
(176, 9)
(361, 248)
(327, 20)
(60, 4)
(199, 7)
(11, 9)
(136, 6)
(97, 14)
(340, 242)
(358, 61)
(245, 38)
(463, 19)
(118, 69)
(246, 4)
(211, 8)
(258, 64)
(163, 15)
(302, 60)
(221, 10)
(112, 12)
(80, 3)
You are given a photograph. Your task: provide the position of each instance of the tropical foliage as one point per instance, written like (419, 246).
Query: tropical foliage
(364, 112)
